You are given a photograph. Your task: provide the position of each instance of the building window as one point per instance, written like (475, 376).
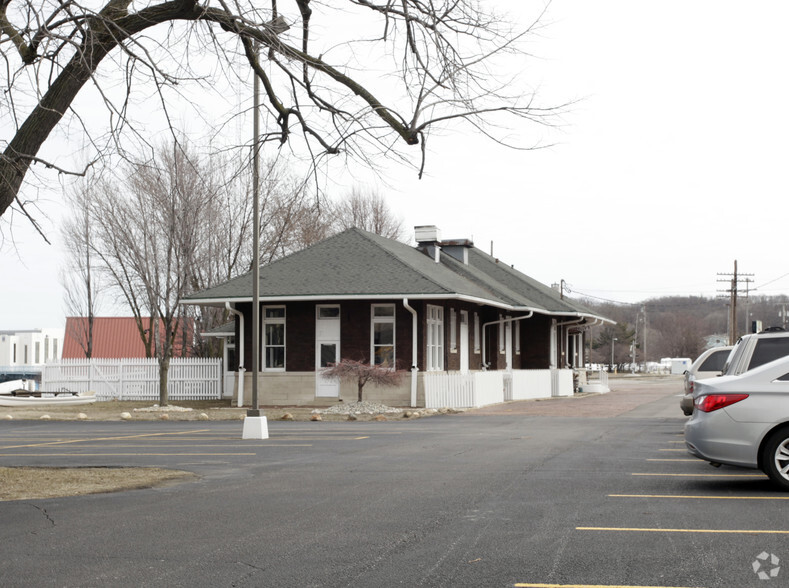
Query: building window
(55, 349)
(274, 337)
(435, 338)
(46, 349)
(383, 335)
(14, 360)
(502, 348)
(38, 352)
(328, 312)
(517, 326)
(453, 336)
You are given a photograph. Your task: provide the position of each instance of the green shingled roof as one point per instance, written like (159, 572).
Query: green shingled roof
(356, 263)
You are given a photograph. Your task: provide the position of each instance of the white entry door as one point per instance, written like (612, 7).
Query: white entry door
(463, 347)
(327, 349)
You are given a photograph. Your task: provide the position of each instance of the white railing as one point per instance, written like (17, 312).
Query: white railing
(596, 381)
(136, 379)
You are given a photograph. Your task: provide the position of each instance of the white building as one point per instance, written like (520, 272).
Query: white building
(30, 348)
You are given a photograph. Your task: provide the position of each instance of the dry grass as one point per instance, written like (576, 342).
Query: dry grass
(26, 483)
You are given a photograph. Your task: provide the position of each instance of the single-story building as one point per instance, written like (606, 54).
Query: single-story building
(443, 307)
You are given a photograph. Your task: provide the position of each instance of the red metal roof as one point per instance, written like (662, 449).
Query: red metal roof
(113, 338)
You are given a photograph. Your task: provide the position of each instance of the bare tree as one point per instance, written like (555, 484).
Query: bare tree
(367, 210)
(360, 78)
(81, 282)
(224, 249)
(146, 234)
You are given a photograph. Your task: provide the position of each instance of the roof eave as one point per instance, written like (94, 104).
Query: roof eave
(398, 296)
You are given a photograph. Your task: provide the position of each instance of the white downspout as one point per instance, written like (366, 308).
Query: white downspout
(241, 369)
(414, 349)
(499, 322)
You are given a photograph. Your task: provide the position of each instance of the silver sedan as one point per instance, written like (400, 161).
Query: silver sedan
(743, 420)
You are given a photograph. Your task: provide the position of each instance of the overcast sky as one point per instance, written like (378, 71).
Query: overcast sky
(671, 165)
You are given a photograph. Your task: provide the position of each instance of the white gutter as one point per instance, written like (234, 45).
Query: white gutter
(241, 369)
(414, 349)
(499, 322)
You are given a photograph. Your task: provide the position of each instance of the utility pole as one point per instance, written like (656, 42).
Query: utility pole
(644, 353)
(782, 313)
(734, 281)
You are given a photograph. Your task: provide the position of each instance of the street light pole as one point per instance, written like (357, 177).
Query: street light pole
(255, 424)
(612, 353)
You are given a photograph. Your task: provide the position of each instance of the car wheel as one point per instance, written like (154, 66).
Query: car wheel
(775, 459)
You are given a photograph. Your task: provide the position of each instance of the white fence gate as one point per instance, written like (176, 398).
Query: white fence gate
(136, 379)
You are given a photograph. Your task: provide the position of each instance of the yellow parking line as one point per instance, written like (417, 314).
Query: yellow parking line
(646, 530)
(699, 496)
(102, 439)
(531, 585)
(704, 475)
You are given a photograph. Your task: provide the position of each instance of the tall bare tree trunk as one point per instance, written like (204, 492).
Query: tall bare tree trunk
(164, 368)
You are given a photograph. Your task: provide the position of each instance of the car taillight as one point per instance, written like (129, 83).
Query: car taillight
(712, 402)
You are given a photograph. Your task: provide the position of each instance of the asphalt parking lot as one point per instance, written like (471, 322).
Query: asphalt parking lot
(555, 493)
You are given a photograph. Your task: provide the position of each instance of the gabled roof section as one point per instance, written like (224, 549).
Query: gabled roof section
(358, 264)
(353, 263)
(514, 286)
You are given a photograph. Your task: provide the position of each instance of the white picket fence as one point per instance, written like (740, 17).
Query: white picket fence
(473, 390)
(136, 379)
(456, 390)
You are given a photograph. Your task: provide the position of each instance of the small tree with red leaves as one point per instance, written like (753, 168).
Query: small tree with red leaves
(360, 372)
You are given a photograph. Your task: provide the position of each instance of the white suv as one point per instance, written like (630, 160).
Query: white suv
(754, 350)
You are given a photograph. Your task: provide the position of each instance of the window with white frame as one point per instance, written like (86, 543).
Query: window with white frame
(453, 335)
(477, 340)
(274, 338)
(435, 338)
(383, 335)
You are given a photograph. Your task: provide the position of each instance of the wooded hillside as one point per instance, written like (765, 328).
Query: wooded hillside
(676, 326)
